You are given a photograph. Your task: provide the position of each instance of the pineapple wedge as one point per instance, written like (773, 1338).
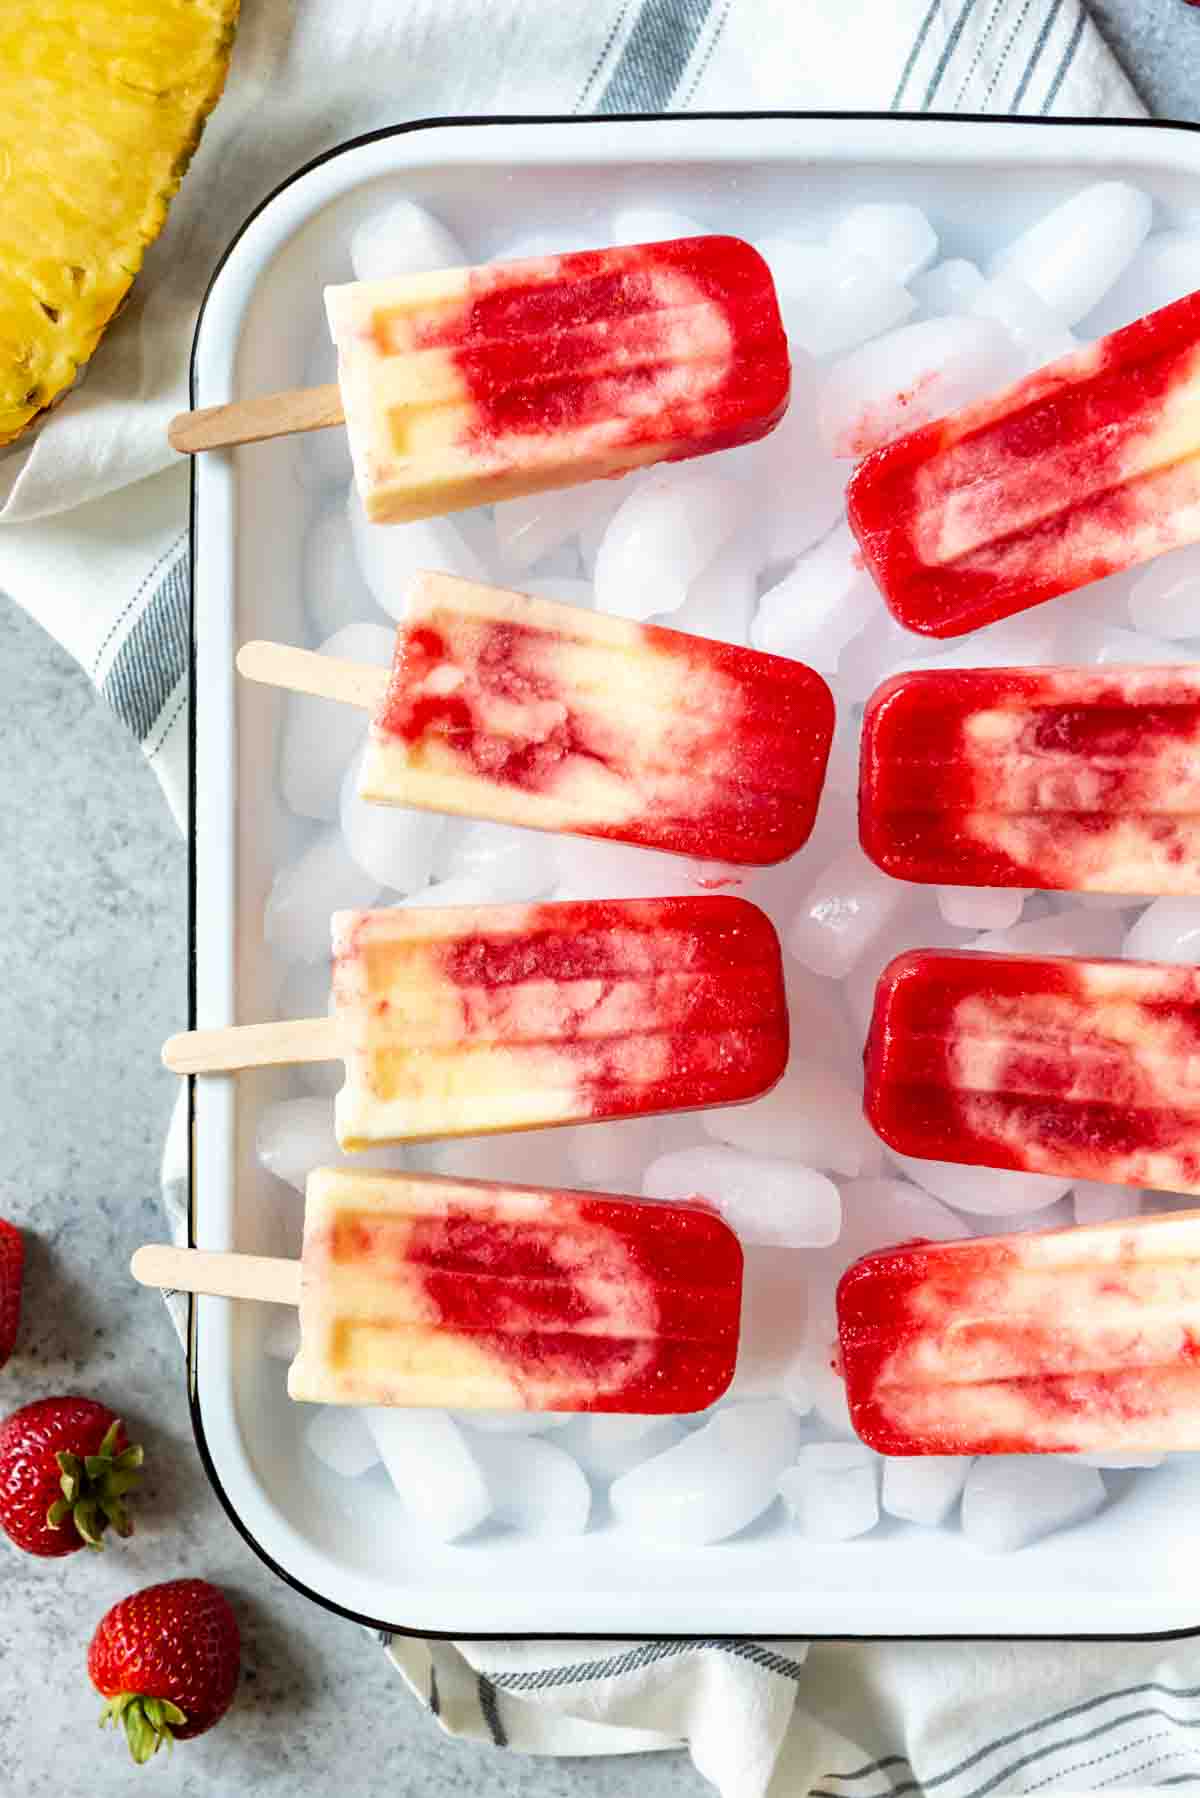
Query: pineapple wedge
(102, 103)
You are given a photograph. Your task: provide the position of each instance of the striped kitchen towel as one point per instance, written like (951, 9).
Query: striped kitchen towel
(96, 549)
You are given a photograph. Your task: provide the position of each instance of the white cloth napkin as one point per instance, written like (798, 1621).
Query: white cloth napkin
(96, 549)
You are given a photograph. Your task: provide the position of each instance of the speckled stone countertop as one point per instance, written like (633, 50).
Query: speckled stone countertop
(92, 910)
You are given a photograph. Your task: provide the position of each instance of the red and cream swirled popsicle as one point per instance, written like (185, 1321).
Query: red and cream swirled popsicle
(1085, 1340)
(1081, 469)
(1080, 778)
(415, 1290)
(474, 1019)
(1050, 1064)
(465, 386)
(528, 712)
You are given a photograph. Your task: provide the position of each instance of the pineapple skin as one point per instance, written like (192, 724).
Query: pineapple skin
(102, 103)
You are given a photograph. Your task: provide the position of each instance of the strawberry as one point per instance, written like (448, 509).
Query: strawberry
(65, 1467)
(167, 1660)
(12, 1265)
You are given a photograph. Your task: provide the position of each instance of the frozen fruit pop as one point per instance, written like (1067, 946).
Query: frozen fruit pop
(528, 712)
(1085, 1340)
(415, 1290)
(1083, 468)
(1080, 778)
(465, 1021)
(465, 386)
(1049, 1064)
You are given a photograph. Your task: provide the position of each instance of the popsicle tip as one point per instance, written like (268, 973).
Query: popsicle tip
(179, 434)
(174, 1053)
(250, 658)
(142, 1264)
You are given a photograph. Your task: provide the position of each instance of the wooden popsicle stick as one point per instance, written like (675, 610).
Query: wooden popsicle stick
(303, 671)
(222, 1276)
(250, 421)
(236, 1046)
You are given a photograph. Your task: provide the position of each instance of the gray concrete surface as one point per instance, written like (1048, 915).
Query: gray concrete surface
(91, 978)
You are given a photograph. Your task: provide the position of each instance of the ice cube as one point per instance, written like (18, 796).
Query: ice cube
(923, 1488)
(800, 488)
(448, 892)
(714, 1482)
(1038, 332)
(903, 380)
(831, 302)
(1166, 268)
(572, 592)
(331, 583)
(296, 1135)
(393, 844)
(1168, 930)
(433, 1469)
(850, 902)
(281, 1338)
(524, 1157)
(322, 458)
(796, 1387)
(1075, 253)
(1010, 1501)
(814, 611)
(389, 555)
(1164, 600)
(511, 863)
(876, 653)
(1116, 1463)
(323, 879)
(813, 1116)
(663, 535)
(1078, 931)
(898, 238)
(341, 1441)
(1098, 640)
(764, 1199)
(403, 239)
(534, 1485)
(606, 1446)
(1008, 644)
(983, 1191)
(948, 286)
(653, 224)
(319, 735)
(774, 1311)
(720, 601)
(832, 1493)
(1097, 1203)
(531, 528)
(612, 1156)
(981, 908)
(514, 1423)
(596, 869)
(305, 991)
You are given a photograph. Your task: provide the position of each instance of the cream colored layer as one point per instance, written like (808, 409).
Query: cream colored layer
(642, 713)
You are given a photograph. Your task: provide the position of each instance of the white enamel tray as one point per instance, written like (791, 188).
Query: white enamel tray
(1133, 1569)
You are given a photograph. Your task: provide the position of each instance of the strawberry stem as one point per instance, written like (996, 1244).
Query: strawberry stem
(148, 1722)
(93, 1488)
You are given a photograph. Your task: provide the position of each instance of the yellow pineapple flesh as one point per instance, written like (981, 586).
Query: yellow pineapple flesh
(102, 103)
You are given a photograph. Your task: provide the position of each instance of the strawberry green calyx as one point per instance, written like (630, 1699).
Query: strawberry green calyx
(149, 1722)
(94, 1488)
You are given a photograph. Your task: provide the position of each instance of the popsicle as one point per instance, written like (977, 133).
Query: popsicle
(415, 1290)
(1083, 1339)
(463, 386)
(528, 712)
(1082, 778)
(1051, 1064)
(1084, 467)
(465, 1021)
